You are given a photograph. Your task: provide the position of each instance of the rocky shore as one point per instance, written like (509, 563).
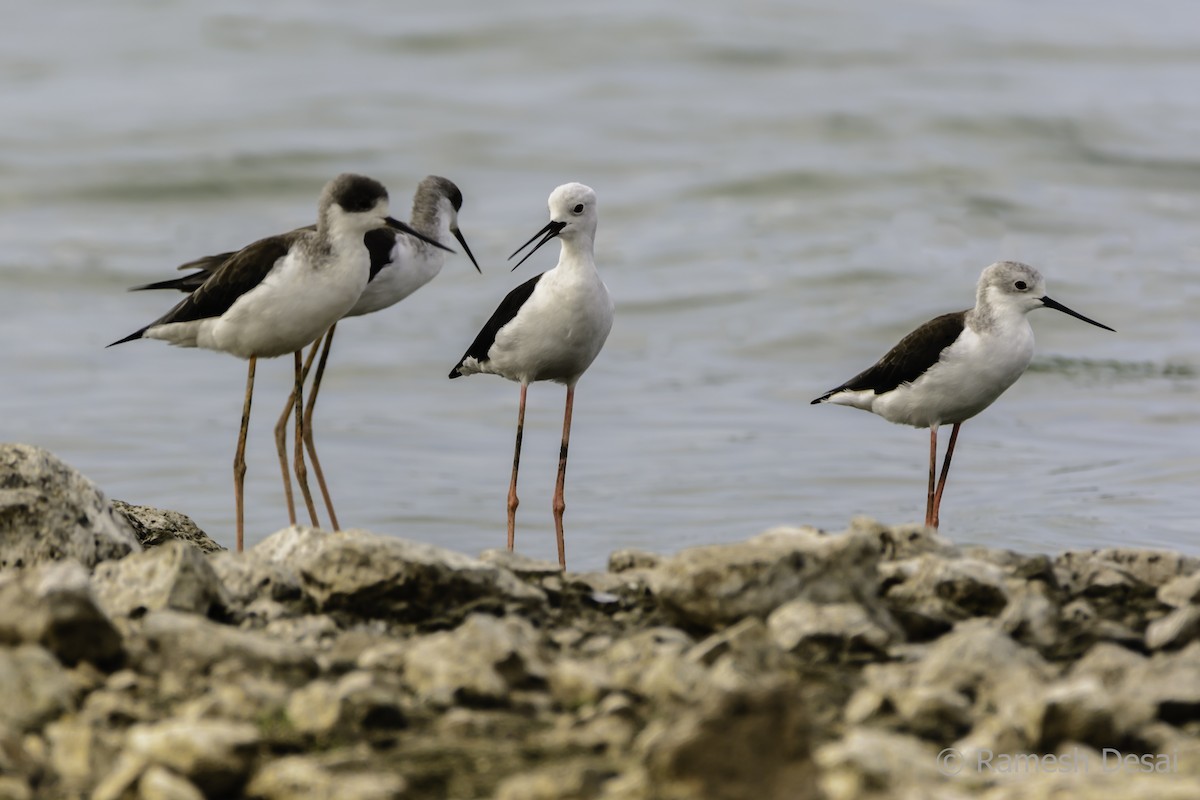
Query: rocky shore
(140, 660)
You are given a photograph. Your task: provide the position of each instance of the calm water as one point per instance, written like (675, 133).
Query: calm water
(785, 190)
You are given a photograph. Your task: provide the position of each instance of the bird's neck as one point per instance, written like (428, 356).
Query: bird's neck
(577, 255)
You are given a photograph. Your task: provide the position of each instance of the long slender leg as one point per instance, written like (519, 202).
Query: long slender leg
(308, 426)
(932, 473)
(513, 502)
(560, 504)
(281, 440)
(937, 497)
(239, 458)
(301, 471)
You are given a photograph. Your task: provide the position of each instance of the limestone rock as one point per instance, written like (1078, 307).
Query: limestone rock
(50, 512)
(733, 746)
(173, 576)
(478, 663)
(52, 605)
(215, 755)
(36, 688)
(378, 576)
(158, 783)
(1175, 630)
(308, 778)
(156, 526)
(830, 631)
(184, 645)
(713, 586)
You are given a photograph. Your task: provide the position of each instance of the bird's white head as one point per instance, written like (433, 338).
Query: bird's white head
(1009, 287)
(572, 218)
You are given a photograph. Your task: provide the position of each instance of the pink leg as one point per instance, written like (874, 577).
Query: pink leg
(308, 434)
(937, 498)
(301, 470)
(560, 505)
(932, 473)
(239, 458)
(513, 502)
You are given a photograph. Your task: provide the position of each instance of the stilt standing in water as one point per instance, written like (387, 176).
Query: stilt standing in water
(956, 365)
(279, 294)
(400, 264)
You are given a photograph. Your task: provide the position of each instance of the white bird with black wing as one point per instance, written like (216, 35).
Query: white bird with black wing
(279, 294)
(550, 328)
(955, 365)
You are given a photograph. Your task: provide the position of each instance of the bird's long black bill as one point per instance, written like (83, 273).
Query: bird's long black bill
(462, 240)
(397, 225)
(551, 230)
(1057, 306)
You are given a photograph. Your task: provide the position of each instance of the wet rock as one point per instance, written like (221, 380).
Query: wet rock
(173, 576)
(36, 688)
(480, 662)
(50, 512)
(377, 576)
(709, 587)
(156, 526)
(52, 605)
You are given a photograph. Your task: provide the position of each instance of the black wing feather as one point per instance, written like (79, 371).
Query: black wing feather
(909, 359)
(503, 315)
(238, 275)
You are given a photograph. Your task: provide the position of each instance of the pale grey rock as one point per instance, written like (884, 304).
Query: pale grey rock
(357, 704)
(183, 645)
(1032, 617)
(632, 559)
(156, 526)
(215, 755)
(1180, 591)
(479, 662)
(868, 762)
(377, 576)
(307, 778)
(654, 664)
(1083, 711)
(36, 689)
(174, 576)
(1176, 629)
(519, 565)
(50, 512)
(577, 780)
(899, 542)
(945, 590)
(830, 631)
(717, 585)
(52, 605)
(158, 783)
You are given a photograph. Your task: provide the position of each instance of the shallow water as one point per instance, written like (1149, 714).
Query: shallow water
(785, 190)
